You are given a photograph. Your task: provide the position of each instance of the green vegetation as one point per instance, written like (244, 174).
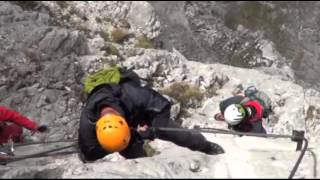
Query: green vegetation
(310, 111)
(62, 4)
(110, 50)
(149, 150)
(144, 42)
(184, 93)
(82, 28)
(105, 36)
(118, 35)
(99, 20)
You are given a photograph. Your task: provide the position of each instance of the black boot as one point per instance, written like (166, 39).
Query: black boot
(213, 149)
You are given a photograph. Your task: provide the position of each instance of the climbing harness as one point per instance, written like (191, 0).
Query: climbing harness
(297, 136)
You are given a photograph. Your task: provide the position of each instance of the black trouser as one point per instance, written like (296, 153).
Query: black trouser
(192, 140)
(253, 128)
(258, 128)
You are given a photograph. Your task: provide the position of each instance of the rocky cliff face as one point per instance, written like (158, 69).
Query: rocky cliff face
(245, 34)
(48, 47)
(40, 75)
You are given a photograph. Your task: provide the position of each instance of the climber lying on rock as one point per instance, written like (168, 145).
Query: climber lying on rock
(118, 116)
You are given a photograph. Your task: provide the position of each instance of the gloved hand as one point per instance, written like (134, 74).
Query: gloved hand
(42, 128)
(219, 117)
(149, 133)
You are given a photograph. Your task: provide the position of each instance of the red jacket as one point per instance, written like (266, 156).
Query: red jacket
(7, 115)
(257, 116)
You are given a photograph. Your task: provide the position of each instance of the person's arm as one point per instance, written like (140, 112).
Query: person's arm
(15, 117)
(87, 141)
(254, 110)
(148, 104)
(190, 139)
(154, 107)
(158, 109)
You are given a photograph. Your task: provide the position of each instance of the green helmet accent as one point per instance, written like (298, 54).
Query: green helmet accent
(241, 109)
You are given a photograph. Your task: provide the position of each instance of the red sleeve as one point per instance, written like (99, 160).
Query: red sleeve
(259, 111)
(13, 116)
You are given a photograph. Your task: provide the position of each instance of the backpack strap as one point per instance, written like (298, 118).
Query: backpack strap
(245, 100)
(130, 75)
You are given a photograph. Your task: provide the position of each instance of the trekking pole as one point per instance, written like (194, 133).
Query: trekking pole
(297, 136)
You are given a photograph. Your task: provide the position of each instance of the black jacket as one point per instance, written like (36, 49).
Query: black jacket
(139, 105)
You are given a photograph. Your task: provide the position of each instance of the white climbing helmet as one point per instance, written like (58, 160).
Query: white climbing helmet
(234, 114)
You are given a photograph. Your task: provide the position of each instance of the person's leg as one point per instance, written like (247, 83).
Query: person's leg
(90, 149)
(17, 134)
(258, 128)
(13, 132)
(190, 139)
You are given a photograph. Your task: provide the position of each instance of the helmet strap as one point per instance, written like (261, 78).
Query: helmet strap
(248, 111)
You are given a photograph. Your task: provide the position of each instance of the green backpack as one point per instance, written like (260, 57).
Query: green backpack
(111, 75)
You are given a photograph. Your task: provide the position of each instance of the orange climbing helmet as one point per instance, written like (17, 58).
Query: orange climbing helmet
(113, 132)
